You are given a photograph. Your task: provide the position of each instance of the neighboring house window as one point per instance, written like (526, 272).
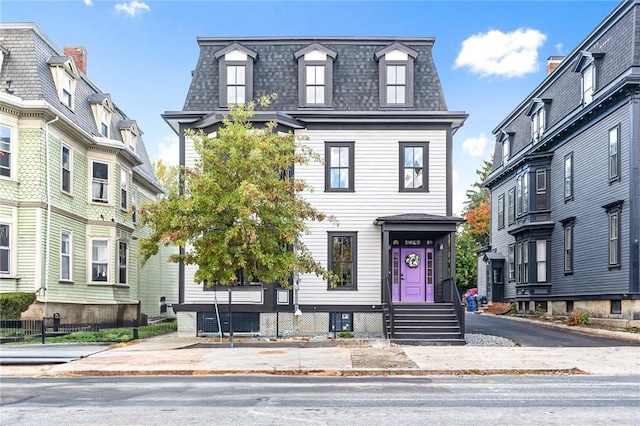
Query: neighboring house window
(5, 151)
(506, 151)
(501, 211)
(235, 65)
(99, 260)
(568, 177)
(134, 197)
(613, 211)
(537, 124)
(104, 123)
(122, 262)
(511, 206)
(124, 175)
(236, 84)
(100, 182)
(5, 249)
(512, 262)
(541, 260)
(568, 244)
(67, 91)
(66, 169)
(339, 164)
(414, 166)
(522, 261)
(614, 154)
(343, 259)
(541, 189)
(133, 142)
(65, 256)
(396, 71)
(588, 84)
(522, 194)
(315, 75)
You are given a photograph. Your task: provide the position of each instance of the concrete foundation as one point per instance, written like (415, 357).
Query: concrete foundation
(72, 313)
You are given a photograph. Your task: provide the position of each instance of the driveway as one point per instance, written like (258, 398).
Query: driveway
(529, 333)
(47, 354)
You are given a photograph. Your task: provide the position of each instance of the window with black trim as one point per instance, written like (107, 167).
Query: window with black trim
(587, 65)
(541, 189)
(235, 65)
(315, 75)
(614, 211)
(414, 166)
(512, 262)
(122, 262)
(396, 73)
(100, 182)
(588, 83)
(538, 113)
(568, 177)
(568, 226)
(541, 261)
(342, 261)
(511, 205)
(614, 154)
(501, 211)
(522, 263)
(124, 188)
(5, 151)
(522, 194)
(339, 165)
(66, 169)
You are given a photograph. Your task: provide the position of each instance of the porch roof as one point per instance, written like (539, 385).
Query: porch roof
(418, 222)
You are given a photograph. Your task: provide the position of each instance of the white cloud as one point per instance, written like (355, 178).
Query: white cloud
(511, 54)
(168, 150)
(475, 146)
(88, 2)
(132, 8)
(560, 48)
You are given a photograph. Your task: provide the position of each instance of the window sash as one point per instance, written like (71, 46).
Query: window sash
(588, 84)
(5, 249)
(339, 166)
(65, 256)
(100, 182)
(511, 195)
(315, 84)
(236, 84)
(614, 232)
(66, 169)
(5, 151)
(541, 260)
(525, 262)
(123, 188)
(413, 167)
(512, 261)
(568, 177)
(342, 260)
(396, 84)
(613, 153)
(122, 262)
(501, 211)
(99, 260)
(568, 248)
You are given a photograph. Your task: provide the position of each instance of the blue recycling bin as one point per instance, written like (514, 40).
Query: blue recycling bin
(470, 303)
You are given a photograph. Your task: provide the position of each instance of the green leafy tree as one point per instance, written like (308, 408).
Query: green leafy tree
(167, 175)
(474, 234)
(239, 208)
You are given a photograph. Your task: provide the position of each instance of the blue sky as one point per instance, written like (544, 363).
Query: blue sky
(489, 54)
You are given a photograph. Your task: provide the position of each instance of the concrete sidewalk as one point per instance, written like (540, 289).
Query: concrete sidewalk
(172, 355)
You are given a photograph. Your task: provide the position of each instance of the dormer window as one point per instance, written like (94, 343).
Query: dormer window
(315, 75)
(507, 138)
(65, 74)
(3, 52)
(102, 108)
(129, 132)
(235, 65)
(396, 63)
(538, 114)
(587, 64)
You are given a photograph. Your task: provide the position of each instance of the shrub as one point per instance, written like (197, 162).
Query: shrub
(578, 317)
(14, 304)
(346, 335)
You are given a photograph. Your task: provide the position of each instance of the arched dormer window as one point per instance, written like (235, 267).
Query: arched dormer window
(315, 75)
(102, 109)
(65, 75)
(236, 74)
(396, 72)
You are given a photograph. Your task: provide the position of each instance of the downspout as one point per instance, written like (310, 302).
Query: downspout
(47, 253)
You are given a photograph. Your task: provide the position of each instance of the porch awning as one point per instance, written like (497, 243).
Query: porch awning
(418, 222)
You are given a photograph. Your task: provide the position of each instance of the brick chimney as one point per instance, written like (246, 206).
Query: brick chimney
(79, 55)
(553, 62)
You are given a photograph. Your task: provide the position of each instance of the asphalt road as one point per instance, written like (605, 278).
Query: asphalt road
(527, 333)
(246, 400)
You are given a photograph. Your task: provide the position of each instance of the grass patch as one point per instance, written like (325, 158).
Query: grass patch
(115, 335)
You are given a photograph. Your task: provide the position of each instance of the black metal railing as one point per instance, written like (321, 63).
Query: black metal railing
(389, 306)
(452, 295)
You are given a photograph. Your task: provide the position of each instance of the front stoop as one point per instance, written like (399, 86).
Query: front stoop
(425, 324)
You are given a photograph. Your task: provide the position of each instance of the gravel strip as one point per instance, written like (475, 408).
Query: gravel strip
(487, 340)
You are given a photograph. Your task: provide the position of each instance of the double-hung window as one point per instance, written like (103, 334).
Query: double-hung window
(512, 262)
(511, 205)
(100, 182)
(315, 84)
(5, 151)
(541, 189)
(414, 166)
(99, 260)
(501, 211)
(134, 197)
(343, 259)
(67, 91)
(522, 262)
(568, 225)
(568, 177)
(522, 194)
(541, 261)
(396, 71)
(587, 65)
(614, 154)
(538, 120)
(5, 248)
(66, 169)
(104, 123)
(65, 256)
(124, 186)
(122, 262)
(588, 83)
(236, 84)
(315, 75)
(339, 166)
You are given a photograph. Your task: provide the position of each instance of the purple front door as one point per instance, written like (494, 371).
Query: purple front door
(412, 274)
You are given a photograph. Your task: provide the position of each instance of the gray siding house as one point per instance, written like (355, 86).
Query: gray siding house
(375, 108)
(565, 185)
